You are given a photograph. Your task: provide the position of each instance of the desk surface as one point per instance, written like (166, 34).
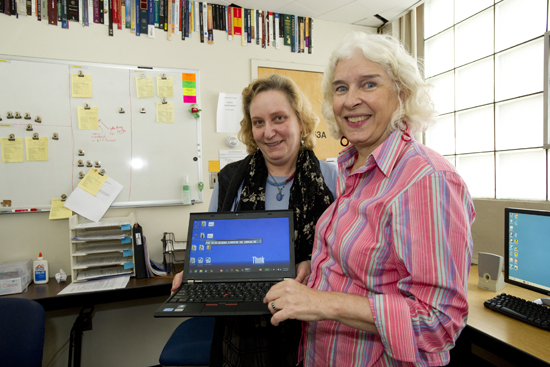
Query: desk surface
(46, 294)
(523, 336)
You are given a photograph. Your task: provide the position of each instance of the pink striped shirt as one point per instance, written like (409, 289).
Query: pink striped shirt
(399, 234)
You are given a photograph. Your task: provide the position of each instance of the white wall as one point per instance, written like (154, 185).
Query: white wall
(125, 333)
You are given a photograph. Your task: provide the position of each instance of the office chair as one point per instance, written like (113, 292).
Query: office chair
(22, 330)
(189, 344)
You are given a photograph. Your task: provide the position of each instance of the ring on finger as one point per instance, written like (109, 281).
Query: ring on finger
(273, 307)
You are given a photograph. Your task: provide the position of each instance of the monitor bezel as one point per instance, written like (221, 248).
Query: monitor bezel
(507, 252)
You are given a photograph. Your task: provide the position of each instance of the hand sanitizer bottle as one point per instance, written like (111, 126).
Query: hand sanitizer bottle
(40, 273)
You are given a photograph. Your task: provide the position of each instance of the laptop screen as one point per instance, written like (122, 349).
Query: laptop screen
(527, 249)
(240, 245)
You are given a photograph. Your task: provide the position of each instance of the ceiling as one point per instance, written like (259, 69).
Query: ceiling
(358, 12)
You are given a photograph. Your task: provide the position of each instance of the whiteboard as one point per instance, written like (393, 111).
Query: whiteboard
(148, 158)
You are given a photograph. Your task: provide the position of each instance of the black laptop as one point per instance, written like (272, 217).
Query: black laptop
(231, 261)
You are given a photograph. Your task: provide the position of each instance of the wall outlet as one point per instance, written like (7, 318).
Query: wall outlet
(213, 179)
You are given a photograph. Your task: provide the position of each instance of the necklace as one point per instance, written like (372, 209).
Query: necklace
(280, 185)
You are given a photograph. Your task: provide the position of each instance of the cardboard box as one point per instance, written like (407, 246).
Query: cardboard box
(15, 276)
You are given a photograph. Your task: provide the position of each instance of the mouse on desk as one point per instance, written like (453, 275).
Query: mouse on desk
(542, 301)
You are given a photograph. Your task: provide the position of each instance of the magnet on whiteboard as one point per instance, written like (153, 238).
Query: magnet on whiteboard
(142, 110)
(231, 141)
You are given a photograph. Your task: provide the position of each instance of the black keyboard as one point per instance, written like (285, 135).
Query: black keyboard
(222, 292)
(518, 308)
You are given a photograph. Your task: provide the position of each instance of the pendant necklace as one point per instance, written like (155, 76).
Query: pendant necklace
(280, 185)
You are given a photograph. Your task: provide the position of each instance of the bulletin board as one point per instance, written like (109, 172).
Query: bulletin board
(150, 159)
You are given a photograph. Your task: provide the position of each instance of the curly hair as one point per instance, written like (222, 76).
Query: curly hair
(297, 99)
(416, 106)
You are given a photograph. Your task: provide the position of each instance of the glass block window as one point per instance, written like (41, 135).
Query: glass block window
(489, 80)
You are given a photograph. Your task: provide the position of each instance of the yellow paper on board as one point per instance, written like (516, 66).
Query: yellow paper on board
(58, 210)
(92, 182)
(165, 112)
(81, 86)
(144, 87)
(36, 149)
(12, 151)
(213, 166)
(165, 87)
(189, 91)
(88, 119)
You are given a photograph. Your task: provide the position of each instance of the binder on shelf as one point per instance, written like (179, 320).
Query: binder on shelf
(139, 253)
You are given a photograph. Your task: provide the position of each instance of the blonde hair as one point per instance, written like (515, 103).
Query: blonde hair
(416, 106)
(296, 98)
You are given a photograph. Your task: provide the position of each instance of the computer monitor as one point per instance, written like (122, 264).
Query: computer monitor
(527, 249)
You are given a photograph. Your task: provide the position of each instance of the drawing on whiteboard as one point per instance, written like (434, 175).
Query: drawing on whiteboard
(105, 133)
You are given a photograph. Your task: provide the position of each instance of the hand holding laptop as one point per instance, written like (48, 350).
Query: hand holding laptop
(303, 271)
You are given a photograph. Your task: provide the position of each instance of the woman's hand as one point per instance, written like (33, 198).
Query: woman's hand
(303, 271)
(290, 299)
(176, 283)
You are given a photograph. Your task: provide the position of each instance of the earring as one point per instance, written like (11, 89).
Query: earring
(342, 141)
(405, 130)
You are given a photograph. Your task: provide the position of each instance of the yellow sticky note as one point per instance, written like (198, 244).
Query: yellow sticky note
(92, 182)
(58, 210)
(165, 87)
(189, 92)
(213, 166)
(81, 86)
(165, 112)
(88, 118)
(12, 151)
(144, 87)
(37, 149)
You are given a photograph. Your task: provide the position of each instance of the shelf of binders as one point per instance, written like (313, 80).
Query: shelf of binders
(101, 249)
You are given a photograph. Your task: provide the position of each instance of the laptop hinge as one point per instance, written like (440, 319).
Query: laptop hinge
(190, 281)
(287, 278)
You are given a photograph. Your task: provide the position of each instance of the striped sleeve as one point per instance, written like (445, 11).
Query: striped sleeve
(432, 242)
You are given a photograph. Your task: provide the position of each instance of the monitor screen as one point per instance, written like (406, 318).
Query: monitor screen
(527, 249)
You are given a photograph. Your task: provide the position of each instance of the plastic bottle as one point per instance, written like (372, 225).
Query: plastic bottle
(186, 198)
(40, 272)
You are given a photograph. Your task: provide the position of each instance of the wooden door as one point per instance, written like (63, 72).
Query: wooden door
(310, 83)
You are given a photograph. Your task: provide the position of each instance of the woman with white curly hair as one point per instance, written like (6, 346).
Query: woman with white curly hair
(391, 256)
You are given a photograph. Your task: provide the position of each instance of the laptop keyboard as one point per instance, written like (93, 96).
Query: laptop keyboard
(221, 292)
(518, 308)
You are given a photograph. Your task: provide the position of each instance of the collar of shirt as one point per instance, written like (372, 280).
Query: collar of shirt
(384, 156)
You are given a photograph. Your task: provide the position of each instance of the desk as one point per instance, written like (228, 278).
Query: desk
(46, 294)
(501, 335)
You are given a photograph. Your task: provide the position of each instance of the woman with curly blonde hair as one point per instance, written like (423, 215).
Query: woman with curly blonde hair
(280, 172)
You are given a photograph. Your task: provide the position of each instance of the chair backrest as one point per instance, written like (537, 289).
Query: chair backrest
(22, 330)
(189, 344)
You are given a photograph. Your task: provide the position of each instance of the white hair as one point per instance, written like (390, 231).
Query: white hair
(416, 106)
